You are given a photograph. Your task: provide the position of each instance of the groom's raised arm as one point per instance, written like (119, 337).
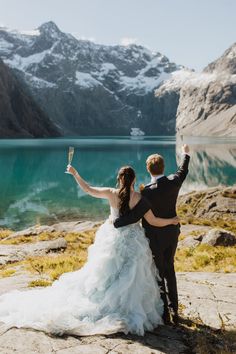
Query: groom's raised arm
(134, 215)
(182, 171)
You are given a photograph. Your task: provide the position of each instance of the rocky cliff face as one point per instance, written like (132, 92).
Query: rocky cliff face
(226, 63)
(207, 100)
(87, 88)
(20, 116)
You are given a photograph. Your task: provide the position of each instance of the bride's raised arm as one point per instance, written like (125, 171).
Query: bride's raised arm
(97, 192)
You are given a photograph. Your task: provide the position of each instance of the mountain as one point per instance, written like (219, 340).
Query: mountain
(20, 116)
(92, 89)
(226, 63)
(207, 100)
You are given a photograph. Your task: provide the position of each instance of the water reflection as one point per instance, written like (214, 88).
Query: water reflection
(213, 162)
(35, 189)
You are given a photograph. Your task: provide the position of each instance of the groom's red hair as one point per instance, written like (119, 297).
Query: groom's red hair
(155, 164)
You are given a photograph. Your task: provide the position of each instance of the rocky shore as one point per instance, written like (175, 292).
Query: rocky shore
(206, 265)
(213, 204)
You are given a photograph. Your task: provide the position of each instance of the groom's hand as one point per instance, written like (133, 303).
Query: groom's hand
(176, 220)
(185, 149)
(116, 223)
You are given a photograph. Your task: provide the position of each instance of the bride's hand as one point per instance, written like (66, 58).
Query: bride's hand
(71, 170)
(176, 220)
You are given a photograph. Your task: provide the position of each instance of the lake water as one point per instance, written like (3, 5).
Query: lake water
(35, 189)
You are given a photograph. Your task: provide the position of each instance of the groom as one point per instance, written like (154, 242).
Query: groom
(162, 195)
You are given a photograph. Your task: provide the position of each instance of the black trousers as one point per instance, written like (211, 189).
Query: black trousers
(163, 243)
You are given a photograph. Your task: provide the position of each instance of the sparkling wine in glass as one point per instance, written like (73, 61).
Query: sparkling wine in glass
(70, 156)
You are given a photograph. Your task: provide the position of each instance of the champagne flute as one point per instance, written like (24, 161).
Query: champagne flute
(70, 156)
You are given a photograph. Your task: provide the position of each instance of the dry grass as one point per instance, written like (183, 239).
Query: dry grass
(202, 258)
(229, 225)
(5, 233)
(47, 236)
(185, 210)
(52, 265)
(189, 208)
(70, 260)
(205, 340)
(18, 240)
(229, 194)
(206, 258)
(39, 282)
(44, 236)
(8, 272)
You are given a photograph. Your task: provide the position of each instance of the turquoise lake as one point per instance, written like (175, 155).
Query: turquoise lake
(35, 189)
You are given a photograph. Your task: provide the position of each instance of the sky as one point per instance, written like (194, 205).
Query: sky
(189, 32)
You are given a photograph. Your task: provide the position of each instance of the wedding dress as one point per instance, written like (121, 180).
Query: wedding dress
(115, 291)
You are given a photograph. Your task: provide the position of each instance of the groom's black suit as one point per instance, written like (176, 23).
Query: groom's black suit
(162, 196)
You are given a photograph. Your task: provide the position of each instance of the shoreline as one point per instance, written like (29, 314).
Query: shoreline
(184, 209)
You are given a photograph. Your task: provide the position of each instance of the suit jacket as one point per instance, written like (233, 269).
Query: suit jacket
(161, 197)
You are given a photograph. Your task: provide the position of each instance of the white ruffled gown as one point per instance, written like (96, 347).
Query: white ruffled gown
(115, 291)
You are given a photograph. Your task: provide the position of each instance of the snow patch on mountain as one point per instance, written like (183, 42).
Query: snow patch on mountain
(35, 32)
(184, 79)
(39, 83)
(155, 62)
(85, 80)
(106, 68)
(188, 79)
(4, 45)
(22, 63)
(142, 84)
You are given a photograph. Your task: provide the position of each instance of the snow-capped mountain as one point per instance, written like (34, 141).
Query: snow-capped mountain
(20, 116)
(207, 100)
(87, 88)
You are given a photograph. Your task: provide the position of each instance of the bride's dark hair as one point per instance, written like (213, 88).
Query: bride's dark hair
(125, 178)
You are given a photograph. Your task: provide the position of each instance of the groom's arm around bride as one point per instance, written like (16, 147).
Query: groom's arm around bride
(174, 184)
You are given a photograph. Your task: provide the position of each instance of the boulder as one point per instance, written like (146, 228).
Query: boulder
(217, 237)
(75, 226)
(68, 226)
(189, 242)
(31, 231)
(16, 253)
(215, 203)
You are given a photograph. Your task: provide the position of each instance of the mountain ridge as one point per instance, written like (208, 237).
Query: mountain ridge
(94, 89)
(88, 88)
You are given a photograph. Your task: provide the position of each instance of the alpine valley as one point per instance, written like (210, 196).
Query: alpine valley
(84, 88)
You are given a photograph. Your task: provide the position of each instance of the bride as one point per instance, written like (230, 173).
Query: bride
(115, 291)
